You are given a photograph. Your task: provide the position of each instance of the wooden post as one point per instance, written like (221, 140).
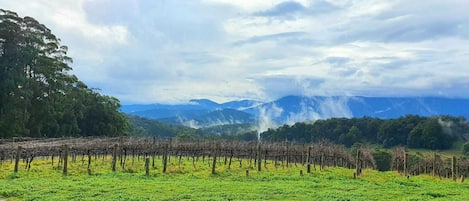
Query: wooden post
(168, 156)
(357, 164)
(231, 157)
(180, 160)
(153, 153)
(133, 155)
(259, 157)
(288, 155)
(125, 158)
(214, 164)
(321, 160)
(114, 157)
(17, 158)
(405, 163)
(60, 159)
(89, 163)
(453, 168)
(308, 160)
(165, 157)
(121, 159)
(65, 159)
(247, 173)
(301, 172)
(434, 164)
(147, 166)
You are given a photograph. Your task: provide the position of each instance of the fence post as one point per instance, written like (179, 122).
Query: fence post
(114, 157)
(288, 155)
(17, 158)
(308, 160)
(453, 168)
(357, 164)
(89, 163)
(147, 166)
(165, 157)
(231, 157)
(65, 159)
(259, 157)
(214, 164)
(434, 164)
(405, 163)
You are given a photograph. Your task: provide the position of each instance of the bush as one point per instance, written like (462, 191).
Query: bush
(383, 160)
(465, 149)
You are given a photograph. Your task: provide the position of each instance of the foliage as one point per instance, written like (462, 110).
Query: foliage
(429, 134)
(411, 130)
(353, 135)
(186, 137)
(38, 96)
(465, 149)
(147, 127)
(382, 159)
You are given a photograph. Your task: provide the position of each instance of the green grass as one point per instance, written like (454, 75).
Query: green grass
(186, 182)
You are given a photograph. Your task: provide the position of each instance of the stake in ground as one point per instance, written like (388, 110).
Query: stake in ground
(217, 171)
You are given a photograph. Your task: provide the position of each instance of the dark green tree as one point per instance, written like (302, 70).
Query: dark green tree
(353, 135)
(429, 134)
(38, 95)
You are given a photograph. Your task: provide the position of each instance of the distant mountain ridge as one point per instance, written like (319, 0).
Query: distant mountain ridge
(291, 109)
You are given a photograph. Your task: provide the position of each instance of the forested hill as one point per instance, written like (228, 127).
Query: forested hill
(437, 132)
(412, 131)
(38, 95)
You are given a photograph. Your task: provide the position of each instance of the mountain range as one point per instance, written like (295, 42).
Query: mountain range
(291, 109)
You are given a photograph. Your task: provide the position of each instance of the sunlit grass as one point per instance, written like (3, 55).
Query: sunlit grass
(189, 181)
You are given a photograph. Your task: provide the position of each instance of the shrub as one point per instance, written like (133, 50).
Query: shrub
(383, 160)
(465, 148)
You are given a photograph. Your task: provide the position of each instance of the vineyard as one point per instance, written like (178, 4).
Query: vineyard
(125, 151)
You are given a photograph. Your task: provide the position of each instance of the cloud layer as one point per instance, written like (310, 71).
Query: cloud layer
(173, 51)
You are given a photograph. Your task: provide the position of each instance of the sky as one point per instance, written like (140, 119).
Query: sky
(171, 51)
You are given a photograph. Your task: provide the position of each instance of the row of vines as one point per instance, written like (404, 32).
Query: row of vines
(319, 155)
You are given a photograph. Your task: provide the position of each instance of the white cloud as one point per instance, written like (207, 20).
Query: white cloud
(173, 51)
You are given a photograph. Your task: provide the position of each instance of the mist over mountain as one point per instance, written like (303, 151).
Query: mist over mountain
(213, 118)
(291, 109)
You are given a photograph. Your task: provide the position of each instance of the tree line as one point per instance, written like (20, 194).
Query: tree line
(39, 97)
(439, 132)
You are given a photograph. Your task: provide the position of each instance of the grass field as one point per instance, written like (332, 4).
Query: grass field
(189, 182)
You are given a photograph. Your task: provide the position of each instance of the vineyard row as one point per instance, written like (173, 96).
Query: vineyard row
(316, 155)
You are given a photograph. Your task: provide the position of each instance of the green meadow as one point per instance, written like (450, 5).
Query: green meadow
(186, 180)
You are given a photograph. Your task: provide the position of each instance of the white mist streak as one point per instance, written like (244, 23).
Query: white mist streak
(334, 107)
(307, 113)
(265, 118)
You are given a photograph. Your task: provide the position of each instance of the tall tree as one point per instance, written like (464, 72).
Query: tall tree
(38, 95)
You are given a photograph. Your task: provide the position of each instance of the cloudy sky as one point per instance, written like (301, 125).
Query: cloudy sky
(170, 51)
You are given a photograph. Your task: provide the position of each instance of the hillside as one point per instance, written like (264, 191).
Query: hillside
(436, 132)
(292, 109)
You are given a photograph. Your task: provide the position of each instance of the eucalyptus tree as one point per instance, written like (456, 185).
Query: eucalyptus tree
(39, 97)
